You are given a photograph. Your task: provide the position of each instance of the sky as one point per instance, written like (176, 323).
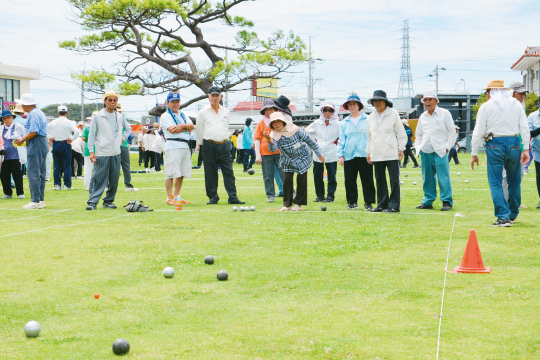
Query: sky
(357, 44)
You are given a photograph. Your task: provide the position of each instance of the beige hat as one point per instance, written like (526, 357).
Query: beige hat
(28, 99)
(288, 130)
(18, 107)
(495, 84)
(119, 107)
(109, 93)
(405, 122)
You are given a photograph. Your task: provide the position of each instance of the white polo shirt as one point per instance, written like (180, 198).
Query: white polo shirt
(211, 125)
(62, 129)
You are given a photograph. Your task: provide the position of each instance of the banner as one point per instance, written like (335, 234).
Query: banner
(267, 87)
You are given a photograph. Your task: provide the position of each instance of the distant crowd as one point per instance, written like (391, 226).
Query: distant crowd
(362, 144)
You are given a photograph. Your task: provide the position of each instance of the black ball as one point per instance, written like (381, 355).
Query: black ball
(251, 171)
(222, 275)
(120, 347)
(323, 208)
(209, 259)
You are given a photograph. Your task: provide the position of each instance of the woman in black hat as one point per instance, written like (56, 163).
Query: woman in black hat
(386, 141)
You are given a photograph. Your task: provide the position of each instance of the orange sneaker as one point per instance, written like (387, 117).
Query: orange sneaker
(170, 200)
(183, 201)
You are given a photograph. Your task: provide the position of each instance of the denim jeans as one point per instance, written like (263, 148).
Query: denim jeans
(37, 155)
(504, 153)
(271, 170)
(435, 166)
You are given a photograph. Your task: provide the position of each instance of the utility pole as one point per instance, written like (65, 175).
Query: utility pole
(435, 74)
(82, 94)
(310, 80)
(227, 79)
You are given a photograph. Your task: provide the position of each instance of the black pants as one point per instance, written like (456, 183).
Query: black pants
(240, 156)
(233, 153)
(383, 201)
(157, 160)
(352, 168)
(408, 153)
(318, 178)
(288, 189)
(200, 159)
(215, 155)
(537, 168)
(9, 168)
(141, 156)
(452, 154)
(149, 157)
(77, 157)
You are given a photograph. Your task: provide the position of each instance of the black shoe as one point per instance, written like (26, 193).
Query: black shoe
(512, 220)
(416, 166)
(352, 206)
(108, 205)
(368, 207)
(502, 223)
(390, 210)
(538, 207)
(329, 199)
(318, 199)
(213, 201)
(404, 166)
(446, 206)
(377, 209)
(91, 206)
(236, 202)
(424, 206)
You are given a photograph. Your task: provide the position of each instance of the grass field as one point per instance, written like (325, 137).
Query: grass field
(311, 285)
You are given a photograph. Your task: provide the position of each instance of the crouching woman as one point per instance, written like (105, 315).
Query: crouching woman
(295, 157)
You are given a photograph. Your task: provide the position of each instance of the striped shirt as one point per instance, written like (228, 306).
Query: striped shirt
(295, 153)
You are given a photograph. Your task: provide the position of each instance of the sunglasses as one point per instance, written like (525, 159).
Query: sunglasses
(328, 110)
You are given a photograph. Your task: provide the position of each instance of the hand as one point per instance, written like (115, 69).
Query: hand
(253, 146)
(341, 161)
(400, 155)
(524, 157)
(321, 157)
(2, 152)
(258, 160)
(266, 134)
(93, 157)
(18, 141)
(368, 159)
(69, 141)
(198, 148)
(474, 159)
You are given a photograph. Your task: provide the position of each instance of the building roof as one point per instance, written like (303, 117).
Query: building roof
(255, 105)
(527, 58)
(19, 71)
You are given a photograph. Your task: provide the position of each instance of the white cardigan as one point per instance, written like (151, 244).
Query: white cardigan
(387, 137)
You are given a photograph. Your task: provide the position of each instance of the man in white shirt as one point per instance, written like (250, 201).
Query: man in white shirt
(499, 122)
(176, 126)
(213, 133)
(61, 133)
(149, 155)
(107, 131)
(435, 136)
(141, 146)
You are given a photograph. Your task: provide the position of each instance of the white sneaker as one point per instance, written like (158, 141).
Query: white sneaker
(41, 204)
(147, 170)
(47, 179)
(32, 206)
(296, 207)
(80, 177)
(131, 188)
(57, 187)
(88, 188)
(64, 187)
(22, 196)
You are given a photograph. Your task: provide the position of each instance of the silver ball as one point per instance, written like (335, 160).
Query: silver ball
(235, 208)
(168, 272)
(252, 208)
(32, 329)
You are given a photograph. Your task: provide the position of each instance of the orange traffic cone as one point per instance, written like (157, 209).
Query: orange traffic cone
(472, 259)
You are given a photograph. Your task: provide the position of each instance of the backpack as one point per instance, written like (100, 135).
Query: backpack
(136, 206)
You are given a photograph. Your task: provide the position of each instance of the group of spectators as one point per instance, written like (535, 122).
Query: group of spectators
(362, 144)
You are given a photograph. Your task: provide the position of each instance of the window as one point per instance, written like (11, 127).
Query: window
(3, 92)
(10, 89)
(16, 89)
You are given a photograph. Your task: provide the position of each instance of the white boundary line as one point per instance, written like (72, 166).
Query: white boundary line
(58, 226)
(29, 217)
(444, 287)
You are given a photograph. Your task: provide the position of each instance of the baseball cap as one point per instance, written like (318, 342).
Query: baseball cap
(62, 108)
(214, 90)
(173, 96)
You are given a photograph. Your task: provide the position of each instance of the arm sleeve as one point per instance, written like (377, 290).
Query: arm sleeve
(479, 130)
(368, 146)
(341, 140)
(451, 130)
(311, 130)
(308, 140)
(75, 131)
(524, 130)
(273, 146)
(92, 135)
(200, 127)
(126, 126)
(400, 133)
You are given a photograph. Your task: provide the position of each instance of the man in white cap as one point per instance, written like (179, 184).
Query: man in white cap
(176, 127)
(435, 136)
(519, 92)
(213, 133)
(36, 143)
(61, 133)
(106, 135)
(499, 122)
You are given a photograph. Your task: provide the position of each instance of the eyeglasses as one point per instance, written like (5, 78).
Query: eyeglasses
(328, 110)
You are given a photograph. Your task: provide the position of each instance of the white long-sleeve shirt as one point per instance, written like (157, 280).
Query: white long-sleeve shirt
(386, 135)
(492, 119)
(62, 129)
(326, 136)
(436, 132)
(211, 125)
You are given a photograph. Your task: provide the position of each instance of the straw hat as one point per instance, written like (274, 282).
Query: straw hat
(109, 93)
(18, 107)
(495, 84)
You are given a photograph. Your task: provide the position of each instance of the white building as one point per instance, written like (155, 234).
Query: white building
(529, 65)
(15, 80)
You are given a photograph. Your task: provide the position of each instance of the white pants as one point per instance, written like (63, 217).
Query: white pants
(48, 164)
(88, 167)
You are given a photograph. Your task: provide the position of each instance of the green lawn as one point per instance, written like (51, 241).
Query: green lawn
(311, 285)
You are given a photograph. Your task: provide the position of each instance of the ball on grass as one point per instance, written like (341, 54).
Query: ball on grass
(222, 275)
(467, 181)
(323, 208)
(406, 175)
(120, 346)
(32, 329)
(401, 182)
(96, 295)
(209, 259)
(459, 173)
(252, 208)
(242, 208)
(251, 171)
(235, 208)
(168, 272)
(414, 183)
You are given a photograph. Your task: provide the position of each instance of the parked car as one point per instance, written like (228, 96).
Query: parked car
(463, 145)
